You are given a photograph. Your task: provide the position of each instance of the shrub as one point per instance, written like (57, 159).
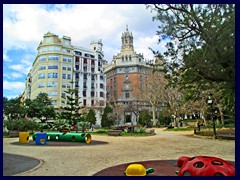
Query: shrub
(139, 130)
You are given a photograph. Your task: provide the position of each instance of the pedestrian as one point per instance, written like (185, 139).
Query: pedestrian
(199, 126)
(92, 127)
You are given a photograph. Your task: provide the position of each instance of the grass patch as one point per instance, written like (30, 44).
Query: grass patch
(180, 129)
(134, 134)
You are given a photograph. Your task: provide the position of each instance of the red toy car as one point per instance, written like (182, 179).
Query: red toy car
(204, 166)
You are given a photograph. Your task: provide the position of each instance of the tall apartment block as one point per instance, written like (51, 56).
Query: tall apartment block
(58, 63)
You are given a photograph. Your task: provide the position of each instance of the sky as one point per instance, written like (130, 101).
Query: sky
(25, 24)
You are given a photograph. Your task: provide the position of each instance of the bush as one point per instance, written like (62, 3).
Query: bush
(139, 130)
(21, 125)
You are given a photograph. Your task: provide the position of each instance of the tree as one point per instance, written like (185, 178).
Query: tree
(71, 110)
(106, 121)
(13, 108)
(144, 117)
(154, 92)
(197, 49)
(40, 107)
(91, 116)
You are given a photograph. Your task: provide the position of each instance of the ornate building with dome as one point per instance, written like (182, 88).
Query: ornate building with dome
(127, 75)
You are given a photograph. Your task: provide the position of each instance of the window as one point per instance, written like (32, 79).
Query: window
(92, 103)
(66, 43)
(52, 75)
(78, 53)
(54, 102)
(44, 49)
(41, 76)
(62, 103)
(84, 94)
(64, 68)
(77, 75)
(53, 58)
(127, 95)
(77, 67)
(64, 76)
(52, 84)
(85, 61)
(76, 84)
(57, 49)
(101, 94)
(42, 58)
(52, 93)
(69, 68)
(69, 59)
(130, 58)
(122, 58)
(101, 86)
(50, 49)
(41, 85)
(92, 93)
(54, 66)
(126, 57)
(48, 40)
(92, 77)
(68, 85)
(92, 86)
(84, 84)
(64, 85)
(69, 76)
(84, 102)
(76, 59)
(42, 68)
(84, 76)
(101, 77)
(85, 69)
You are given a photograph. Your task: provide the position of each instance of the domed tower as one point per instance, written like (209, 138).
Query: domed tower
(97, 45)
(127, 40)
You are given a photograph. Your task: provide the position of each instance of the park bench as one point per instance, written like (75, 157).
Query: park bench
(114, 132)
(226, 135)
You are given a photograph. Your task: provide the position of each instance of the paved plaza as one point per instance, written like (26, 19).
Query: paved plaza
(87, 160)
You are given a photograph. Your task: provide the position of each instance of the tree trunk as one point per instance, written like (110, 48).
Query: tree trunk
(221, 114)
(154, 115)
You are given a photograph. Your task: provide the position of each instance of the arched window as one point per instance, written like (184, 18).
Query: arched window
(126, 57)
(122, 58)
(130, 58)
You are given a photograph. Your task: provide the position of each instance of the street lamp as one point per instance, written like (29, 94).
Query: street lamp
(210, 102)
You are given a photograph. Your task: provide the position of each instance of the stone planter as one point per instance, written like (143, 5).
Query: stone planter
(14, 133)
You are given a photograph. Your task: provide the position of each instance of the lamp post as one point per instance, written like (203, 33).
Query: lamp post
(210, 102)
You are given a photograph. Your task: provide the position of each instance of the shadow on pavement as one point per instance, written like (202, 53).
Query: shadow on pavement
(14, 164)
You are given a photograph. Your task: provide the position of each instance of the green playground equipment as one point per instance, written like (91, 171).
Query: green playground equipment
(67, 137)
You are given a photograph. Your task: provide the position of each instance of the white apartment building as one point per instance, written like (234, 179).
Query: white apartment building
(58, 63)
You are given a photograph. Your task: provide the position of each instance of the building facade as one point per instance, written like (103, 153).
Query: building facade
(58, 63)
(127, 75)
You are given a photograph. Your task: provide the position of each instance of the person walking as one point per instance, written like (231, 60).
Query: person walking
(92, 127)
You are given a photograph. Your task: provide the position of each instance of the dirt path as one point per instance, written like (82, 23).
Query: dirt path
(87, 160)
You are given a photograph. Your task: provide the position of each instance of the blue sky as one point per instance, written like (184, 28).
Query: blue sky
(25, 24)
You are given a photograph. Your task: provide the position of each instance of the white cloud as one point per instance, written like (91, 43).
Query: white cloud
(16, 75)
(17, 67)
(14, 86)
(6, 58)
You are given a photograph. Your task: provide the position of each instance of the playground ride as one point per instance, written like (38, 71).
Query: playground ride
(66, 137)
(137, 170)
(204, 166)
(23, 137)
